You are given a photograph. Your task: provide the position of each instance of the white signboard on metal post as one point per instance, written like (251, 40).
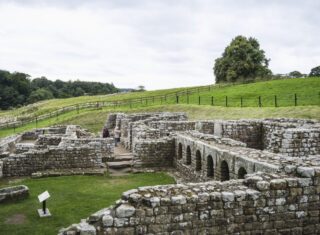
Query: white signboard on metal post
(44, 212)
(44, 196)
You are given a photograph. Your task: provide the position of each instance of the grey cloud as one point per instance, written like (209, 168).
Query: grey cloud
(156, 43)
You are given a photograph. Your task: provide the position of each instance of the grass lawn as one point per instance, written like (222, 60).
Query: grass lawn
(93, 119)
(307, 90)
(72, 198)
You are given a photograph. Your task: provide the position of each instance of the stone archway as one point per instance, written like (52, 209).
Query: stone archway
(210, 168)
(224, 171)
(241, 173)
(180, 151)
(188, 159)
(198, 160)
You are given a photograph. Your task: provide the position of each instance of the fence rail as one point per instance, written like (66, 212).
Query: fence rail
(21, 120)
(186, 96)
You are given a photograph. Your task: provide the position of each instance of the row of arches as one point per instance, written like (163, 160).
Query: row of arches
(224, 168)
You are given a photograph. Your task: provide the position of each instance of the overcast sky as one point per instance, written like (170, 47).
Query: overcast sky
(158, 44)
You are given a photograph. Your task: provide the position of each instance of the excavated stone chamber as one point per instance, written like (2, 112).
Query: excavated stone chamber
(236, 177)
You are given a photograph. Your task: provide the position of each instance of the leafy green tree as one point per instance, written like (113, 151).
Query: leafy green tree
(40, 94)
(295, 74)
(141, 88)
(315, 72)
(242, 59)
(78, 92)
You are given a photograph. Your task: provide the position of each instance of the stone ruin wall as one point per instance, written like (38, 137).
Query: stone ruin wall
(277, 193)
(52, 149)
(260, 204)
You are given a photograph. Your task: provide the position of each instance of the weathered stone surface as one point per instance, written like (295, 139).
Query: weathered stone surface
(267, 171)
(14, 193)
(125, 210)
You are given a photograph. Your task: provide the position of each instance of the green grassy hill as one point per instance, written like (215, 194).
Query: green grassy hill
(306, 90)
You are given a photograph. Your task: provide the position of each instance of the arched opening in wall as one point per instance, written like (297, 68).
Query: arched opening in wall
(224, 171)
(188, 160)
(198, 161)
(241, 173)
(180, 151)
(210, 166)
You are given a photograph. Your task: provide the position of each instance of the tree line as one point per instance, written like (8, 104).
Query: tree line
(17, 89)
(244, 61)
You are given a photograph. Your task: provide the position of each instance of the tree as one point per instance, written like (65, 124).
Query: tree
(315, 72)
(295, 74)
(79, 92)
(141, 88)
(242, 59)
(40, 94)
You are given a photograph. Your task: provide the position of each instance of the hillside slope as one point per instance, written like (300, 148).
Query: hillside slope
(306, 90)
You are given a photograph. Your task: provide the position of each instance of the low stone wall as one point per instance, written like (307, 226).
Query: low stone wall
(153, 153)
(291, 137)
(25, 164)
(166, 127)
(14, 193)
(260, 204)
(54, 151)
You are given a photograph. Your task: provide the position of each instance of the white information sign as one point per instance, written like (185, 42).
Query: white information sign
(44, 196)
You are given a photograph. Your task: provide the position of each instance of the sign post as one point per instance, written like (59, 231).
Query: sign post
(44, 212)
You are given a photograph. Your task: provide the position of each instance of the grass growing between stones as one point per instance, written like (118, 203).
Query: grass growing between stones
(72, 198)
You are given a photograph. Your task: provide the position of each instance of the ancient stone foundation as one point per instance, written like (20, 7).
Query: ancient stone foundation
(249, 177)
(14, 193)
(61, 147)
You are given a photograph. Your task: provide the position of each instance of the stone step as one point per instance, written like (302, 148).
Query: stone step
(122, 158)
(124, 154)
(120, 172)
(119, 165)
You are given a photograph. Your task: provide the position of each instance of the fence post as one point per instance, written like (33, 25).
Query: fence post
(211, 100)
(259, 101)
(241, 102)
(199, 99)
(275, 101)
(187, 98)
(36, 122)
(295, 99)
(226, 101)
(130, 104)
(78, 109)
(165, 98)
(177, 99)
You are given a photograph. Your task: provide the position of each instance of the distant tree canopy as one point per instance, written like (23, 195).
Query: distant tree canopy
(315, 72)
(242, 59)
(17, 89)
(295, 74)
